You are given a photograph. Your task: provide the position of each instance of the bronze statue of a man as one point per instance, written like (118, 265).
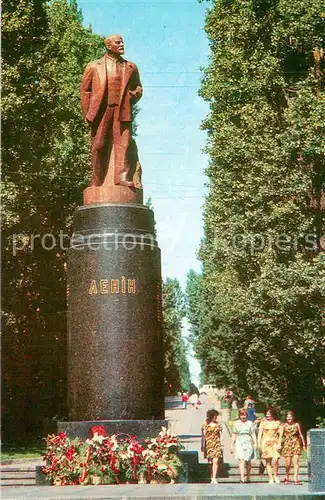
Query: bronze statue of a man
(110, 86)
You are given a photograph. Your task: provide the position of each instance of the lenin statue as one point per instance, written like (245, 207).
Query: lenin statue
(110, 87)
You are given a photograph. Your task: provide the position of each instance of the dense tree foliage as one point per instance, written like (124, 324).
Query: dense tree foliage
(177, 375)
(45, 167)
(257, 311)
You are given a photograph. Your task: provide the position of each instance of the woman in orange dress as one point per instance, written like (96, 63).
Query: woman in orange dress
(293, 443)
(269, 444)
(212, 432)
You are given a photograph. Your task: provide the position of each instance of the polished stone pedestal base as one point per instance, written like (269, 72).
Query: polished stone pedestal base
(317, 460)
(140, 428)
(115, 351)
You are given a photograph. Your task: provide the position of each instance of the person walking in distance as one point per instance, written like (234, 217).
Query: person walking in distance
(213, 449)
(184, 399)
(193, 395)
(110, 87)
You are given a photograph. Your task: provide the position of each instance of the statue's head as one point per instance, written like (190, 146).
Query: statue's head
(114, 44)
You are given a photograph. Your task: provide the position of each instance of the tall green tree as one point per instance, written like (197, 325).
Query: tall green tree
(262, 291)
(45, 167)
(177, 374)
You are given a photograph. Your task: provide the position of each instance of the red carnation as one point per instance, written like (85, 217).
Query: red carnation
(70, 453)
(99, 429)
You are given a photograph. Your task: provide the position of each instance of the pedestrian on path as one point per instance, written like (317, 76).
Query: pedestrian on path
(292, 446)
(194, 396)
(251, 415)
(244, 444)
(269, 444)
(184, 399)
(212, 445)
(249, 400)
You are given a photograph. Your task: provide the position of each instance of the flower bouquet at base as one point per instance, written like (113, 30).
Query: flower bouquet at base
(131, 456)
(72, 461)
(164, 465)
(62, 460)
(104, 459)
(101, 465)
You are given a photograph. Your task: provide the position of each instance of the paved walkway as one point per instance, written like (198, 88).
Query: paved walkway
(163, 492)
(187, 424)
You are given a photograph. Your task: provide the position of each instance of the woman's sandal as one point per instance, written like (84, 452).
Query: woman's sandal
(285, 480)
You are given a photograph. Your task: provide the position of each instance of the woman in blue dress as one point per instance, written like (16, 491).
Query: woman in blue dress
(244, 444)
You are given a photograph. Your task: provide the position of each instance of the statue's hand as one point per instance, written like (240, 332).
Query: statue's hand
(137, 93)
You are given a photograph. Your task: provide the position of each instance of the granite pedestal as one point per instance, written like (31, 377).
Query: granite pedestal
(115, 352)
(140, 428)
(317, 460)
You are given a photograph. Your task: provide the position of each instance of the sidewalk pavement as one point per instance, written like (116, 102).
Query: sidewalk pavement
(163, 492)
(187, 425)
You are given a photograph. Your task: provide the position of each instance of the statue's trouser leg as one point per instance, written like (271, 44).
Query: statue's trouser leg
(101, 145)
(122, 135)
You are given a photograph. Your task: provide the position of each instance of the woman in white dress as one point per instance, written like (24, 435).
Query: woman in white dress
(244, 444)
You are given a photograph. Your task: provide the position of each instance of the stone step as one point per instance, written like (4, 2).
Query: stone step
(233, 468)
(234, 480)
(20, 474)
(18, 482)
(197, 473)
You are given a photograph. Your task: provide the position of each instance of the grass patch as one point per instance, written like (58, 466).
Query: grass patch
(23, 449)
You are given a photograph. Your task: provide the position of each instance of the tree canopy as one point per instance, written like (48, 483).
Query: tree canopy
(177, 375)
(45, 167)
(258, 309)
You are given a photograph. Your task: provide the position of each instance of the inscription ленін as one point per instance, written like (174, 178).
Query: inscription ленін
(121, 285)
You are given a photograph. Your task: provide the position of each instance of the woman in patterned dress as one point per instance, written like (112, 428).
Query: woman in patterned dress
(269, 444)
(293, 443)
(212, 432)
(244, 441)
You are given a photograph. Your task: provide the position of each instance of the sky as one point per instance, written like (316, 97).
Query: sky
(167, 42)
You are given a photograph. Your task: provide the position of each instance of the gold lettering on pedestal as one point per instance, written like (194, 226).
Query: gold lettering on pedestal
(131, 286)
(115, 286)
(121, 285)
(103, 284)
(93, 287)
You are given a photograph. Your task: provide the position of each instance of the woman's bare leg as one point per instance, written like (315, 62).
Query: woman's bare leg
(248, 469)
(242, 470)
(288, 467)
(275, 470)
(269, 469)
(295, 460)
(215, 462)
(210, 467)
